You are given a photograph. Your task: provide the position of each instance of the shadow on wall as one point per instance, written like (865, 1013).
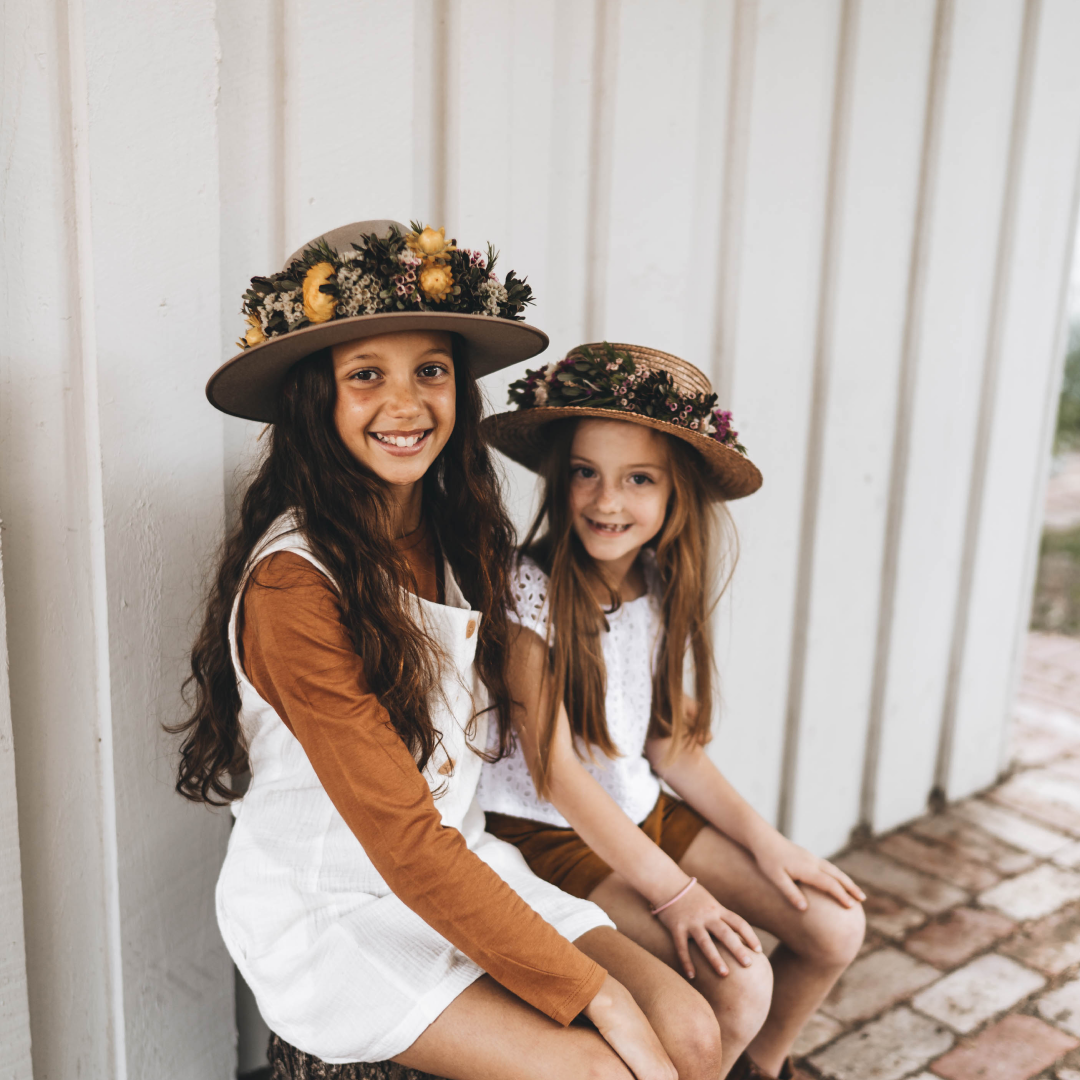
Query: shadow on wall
(1057, 591)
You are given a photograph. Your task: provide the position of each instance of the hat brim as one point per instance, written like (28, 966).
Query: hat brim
(247, 385)
(520, 436)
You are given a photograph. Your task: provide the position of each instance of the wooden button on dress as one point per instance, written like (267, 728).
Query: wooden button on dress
(470, 628)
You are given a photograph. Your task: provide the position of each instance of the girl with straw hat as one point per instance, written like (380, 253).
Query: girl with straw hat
(352, 658)
(613, 597)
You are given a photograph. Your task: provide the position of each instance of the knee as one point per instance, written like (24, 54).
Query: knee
(742, 1012)
(836, 933)
(695, 1048)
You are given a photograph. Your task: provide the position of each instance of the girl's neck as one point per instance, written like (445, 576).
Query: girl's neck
(624, 575)
(408, 508)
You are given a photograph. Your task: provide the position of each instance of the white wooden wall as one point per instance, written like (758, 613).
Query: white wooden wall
(14, 1003)
(856, 215)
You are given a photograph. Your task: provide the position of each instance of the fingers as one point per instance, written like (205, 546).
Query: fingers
(727, 936)
(682, 949)
(743, 929)
(704, 941)
(791, 892)
(849, 885)
(830, 887)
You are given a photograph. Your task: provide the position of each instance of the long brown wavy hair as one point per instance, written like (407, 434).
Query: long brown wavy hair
(345, 512)
(690, 559)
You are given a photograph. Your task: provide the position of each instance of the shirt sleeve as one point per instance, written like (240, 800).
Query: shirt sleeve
(298, 656)
(528, 588)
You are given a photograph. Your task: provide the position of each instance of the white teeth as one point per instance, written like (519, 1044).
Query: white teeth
(399, 440)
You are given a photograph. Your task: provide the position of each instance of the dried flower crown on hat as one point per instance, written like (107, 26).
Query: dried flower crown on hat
(610, 379)
(418, 271)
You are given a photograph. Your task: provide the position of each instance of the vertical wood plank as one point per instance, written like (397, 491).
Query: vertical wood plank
(350, 103)
(251, 189)
(789, 117)
(1020, 426)
(520, 134)
(872, 255)
(49, 579)
(159, 449)
(949, 354)
(654, 247)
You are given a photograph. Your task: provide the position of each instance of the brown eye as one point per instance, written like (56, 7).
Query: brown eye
(432, 371)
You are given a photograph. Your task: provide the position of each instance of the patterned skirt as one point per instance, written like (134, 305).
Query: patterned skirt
(288, 1063)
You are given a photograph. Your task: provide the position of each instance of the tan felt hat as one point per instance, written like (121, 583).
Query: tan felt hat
(376, 269)
(625, 382)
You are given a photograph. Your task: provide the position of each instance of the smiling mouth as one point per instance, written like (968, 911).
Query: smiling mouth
(399, 442)
(606, 529)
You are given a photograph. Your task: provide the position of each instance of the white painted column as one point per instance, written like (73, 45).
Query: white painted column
(939, 404)
(881, 114)
(768, 374)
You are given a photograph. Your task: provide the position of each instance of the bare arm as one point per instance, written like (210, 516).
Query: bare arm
(603, 825)
(692, 774)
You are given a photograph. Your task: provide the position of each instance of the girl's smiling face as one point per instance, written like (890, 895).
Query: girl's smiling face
(620, 486)
(396, 401)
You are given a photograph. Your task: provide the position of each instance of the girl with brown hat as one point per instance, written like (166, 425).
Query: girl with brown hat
(352, 658)
(613, 600)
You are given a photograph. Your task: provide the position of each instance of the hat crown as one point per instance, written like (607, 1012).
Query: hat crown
(342, 238)
(688, 379)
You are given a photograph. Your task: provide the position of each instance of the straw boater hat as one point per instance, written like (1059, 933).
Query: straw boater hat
(372, 277)
(625, 382)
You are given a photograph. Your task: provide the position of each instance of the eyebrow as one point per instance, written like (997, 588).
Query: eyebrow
(435, 350)
(639, 465)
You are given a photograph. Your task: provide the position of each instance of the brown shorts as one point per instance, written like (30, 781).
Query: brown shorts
(563, 858)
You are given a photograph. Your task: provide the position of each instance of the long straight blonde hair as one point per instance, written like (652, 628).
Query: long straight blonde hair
(690, 558)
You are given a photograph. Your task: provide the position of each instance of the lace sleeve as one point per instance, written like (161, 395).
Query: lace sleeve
(528, 587)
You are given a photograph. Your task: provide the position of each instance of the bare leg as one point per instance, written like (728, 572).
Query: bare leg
(739, 1001)
(816, 944)
(487, 1033)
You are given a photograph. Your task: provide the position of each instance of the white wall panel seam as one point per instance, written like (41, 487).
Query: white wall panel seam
(943, 23)
(439, 132)
(279, 149)
(290, 73)
(601, 154)
(988, 388)
(78, 86)
(815, 449)
(733, 195)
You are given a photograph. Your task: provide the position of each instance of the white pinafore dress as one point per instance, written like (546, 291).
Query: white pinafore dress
(339, 966)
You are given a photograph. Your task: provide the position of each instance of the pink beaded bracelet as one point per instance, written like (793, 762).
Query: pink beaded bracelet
(678, 896)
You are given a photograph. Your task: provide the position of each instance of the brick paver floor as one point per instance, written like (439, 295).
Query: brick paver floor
(971, 969)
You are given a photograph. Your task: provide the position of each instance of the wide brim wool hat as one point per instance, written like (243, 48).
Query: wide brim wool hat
(664, 393)
(248, 385)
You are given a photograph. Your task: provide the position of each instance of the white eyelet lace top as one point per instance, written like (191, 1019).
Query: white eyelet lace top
(630, 648)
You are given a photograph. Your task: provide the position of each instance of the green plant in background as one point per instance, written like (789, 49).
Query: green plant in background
(1057, 591)
(1056, 605)
(1067, 435)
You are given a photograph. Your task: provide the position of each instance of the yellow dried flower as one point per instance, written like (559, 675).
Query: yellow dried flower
(254, 335)
(318, 306)
(436, 281)
(430, 244)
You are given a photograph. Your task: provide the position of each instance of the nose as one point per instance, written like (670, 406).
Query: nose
(607, 499)
(403, 398)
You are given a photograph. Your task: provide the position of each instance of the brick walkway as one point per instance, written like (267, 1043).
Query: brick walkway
(971, 967)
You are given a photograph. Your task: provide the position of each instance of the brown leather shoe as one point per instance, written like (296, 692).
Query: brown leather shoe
(746, 1069)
